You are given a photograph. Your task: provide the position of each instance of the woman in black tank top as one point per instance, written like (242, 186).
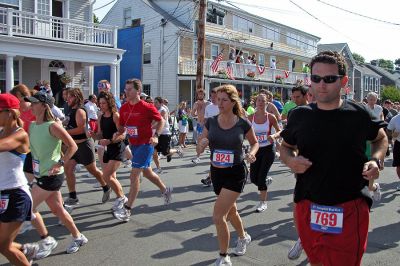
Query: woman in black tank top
(113, 144)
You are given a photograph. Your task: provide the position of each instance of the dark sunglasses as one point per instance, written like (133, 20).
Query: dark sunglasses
(327, 79)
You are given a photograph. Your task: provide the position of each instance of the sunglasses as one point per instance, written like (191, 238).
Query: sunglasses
(327, 79)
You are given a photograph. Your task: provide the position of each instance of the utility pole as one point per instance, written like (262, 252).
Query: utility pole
(201, 50)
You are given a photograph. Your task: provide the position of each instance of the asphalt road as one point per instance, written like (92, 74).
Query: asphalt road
(182, 233)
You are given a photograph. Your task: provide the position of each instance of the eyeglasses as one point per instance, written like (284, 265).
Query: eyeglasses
(327, 79)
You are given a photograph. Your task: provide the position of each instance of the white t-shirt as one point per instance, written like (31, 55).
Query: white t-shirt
(57, 112)
(165, 130)
(211, 110)
(91, 110)
(394, 125)
(376, 112)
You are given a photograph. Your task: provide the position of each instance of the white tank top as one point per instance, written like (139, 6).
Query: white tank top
(165, 130)
(262, 131)
(12, 173)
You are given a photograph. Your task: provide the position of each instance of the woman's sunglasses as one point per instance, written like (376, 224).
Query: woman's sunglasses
(326, 79)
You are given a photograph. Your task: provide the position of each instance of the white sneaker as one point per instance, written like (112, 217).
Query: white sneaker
(262, 206)
(76, 243)
(196, 161)
(268, 181)
(223, 261)
(122, 214)
(167, 195)
(295, 252)
(127, 163)
(241, 246)
(46, 246)
(30, 251)
(377, 195)
(158, 170)
(119, 203)
(26, 226)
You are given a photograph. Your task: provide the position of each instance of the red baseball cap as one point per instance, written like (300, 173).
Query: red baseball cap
(8, 101)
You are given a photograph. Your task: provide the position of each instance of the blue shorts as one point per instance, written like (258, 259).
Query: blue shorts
(19, 207)
(199, 129)
(142, 155)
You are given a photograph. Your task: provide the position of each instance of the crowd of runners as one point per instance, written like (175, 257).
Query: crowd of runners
(335, 186)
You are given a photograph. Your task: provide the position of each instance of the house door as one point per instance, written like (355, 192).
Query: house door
(56, 86)
(57, 11)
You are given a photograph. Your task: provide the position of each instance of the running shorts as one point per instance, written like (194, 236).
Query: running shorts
(265, 157)
(114, 152)
(231, 178)
(50, 183)
(163, 145)
(142, 155)
(85, 154)
(19, 207)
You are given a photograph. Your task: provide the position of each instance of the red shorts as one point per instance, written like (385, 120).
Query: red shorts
(93, 125)
(346, 248)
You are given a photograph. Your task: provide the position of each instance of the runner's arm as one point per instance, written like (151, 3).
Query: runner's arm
(298, 164)
(80, 123)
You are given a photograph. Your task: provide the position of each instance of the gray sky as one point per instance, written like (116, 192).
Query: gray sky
(371, 38)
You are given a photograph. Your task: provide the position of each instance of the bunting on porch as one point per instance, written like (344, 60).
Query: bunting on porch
(229, 72)
(261, 69)
(217, 60)
(286, 73)
(307, 81)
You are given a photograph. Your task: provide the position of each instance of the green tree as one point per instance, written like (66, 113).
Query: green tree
(359, 58)
(383, 63)
(391, 93)
(95, 19)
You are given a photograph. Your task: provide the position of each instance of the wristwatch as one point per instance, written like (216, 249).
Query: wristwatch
(61, 162)
(378, 162)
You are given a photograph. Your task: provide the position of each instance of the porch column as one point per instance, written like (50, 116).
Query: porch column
(9, 72)
(113, 79)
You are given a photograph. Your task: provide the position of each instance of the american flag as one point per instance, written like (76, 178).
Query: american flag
(229, 72)
(215, 63)
(307, 81)
(286, 73)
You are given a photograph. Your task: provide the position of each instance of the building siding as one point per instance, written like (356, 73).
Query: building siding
(79, 9)
(31, 71)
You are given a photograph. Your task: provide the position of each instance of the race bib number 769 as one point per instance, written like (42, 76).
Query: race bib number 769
(327, 219)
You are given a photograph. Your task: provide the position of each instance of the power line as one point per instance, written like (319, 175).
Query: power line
(358, 14)
(109, 3)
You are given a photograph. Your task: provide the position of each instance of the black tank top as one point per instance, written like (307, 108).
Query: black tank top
(107, 126)
(72, 124)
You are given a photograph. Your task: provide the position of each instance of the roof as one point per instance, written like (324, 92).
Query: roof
(334, 47)
(366, 71)
(384, 72)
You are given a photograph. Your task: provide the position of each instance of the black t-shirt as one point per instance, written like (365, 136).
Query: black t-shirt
(334, 141)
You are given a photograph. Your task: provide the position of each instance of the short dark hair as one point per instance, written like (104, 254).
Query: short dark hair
(303, 90)
(91, 96)
(137, 84)
(329, 57)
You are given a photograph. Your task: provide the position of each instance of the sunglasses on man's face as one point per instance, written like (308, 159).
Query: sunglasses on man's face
(326, 79)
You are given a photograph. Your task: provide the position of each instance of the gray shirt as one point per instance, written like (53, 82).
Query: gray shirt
(227, 140)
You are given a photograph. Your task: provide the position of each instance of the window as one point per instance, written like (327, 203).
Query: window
(271, 33)
(290, 65)
(366, 83)
(147, 53)
(214, 51)
(146, 89)
(127, 17)
(272, 61)
(194, 49)
(371, 83)
(43, 7)
(241, 24)
(212, 17)
(376, 85)
(261, 59)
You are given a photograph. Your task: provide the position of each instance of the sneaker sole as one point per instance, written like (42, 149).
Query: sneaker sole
(119, 219)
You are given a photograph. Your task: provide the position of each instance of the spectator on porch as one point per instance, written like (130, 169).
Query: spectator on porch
(273, 64)
(239, 58)
(46, 88)
(232, 56)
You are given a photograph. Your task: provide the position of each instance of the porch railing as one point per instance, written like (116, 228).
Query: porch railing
(244, 72)
(32, 25)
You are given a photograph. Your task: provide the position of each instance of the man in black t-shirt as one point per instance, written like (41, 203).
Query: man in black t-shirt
(324, 144)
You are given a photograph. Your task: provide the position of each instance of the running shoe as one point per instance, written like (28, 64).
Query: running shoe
(295, 252)
(119, 203)
(76, 243)
(71, 201)
(268, 181)
(106, 195)
(158, 170)
(167, 195)
(179, 151)
(68, 208)
(262, 206)
(26, 226)
(377, 193)
(241, 245)
(122, 214)
(169, 158)
(196, 161)
(30, 250)
(223, 261)
(46, 246)
(206, 181)
(127, 163)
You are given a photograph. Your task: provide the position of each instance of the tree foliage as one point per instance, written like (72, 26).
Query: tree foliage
(95, 19)
(391, 93)
(383, 63)
(359, 58)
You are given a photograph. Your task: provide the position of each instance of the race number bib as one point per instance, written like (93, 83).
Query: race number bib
(4, 199)
(35, 167)
(223, 158)
(132, 131)
(327, 219)
(262, 137)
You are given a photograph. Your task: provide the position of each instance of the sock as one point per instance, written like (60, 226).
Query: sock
(105, 188)
(43, 237)
(72, 195)
(223, 254)
(127, 207)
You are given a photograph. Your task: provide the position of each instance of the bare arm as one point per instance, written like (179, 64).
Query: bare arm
(298, 164)
(251, 137)
(202, 142)
(18, 141)
(158, 125)
(117, 136)
(80, 123)
(272, 109)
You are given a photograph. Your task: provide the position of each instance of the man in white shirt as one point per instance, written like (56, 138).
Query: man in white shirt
(92, 109)
(394, 130)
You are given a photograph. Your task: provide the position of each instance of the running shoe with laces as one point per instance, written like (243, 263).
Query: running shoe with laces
(295, 252)
(158, 170)
(206, 181)
(262, 206)
(76, 243)
(377, 195)
(167, 195)
(119, 203)
(30, 250)
(106, 195)
(71, 201)
(46, 246)
(68, 208)
(223, 261)
(196, 161)
(122, 214)
(241, 245)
